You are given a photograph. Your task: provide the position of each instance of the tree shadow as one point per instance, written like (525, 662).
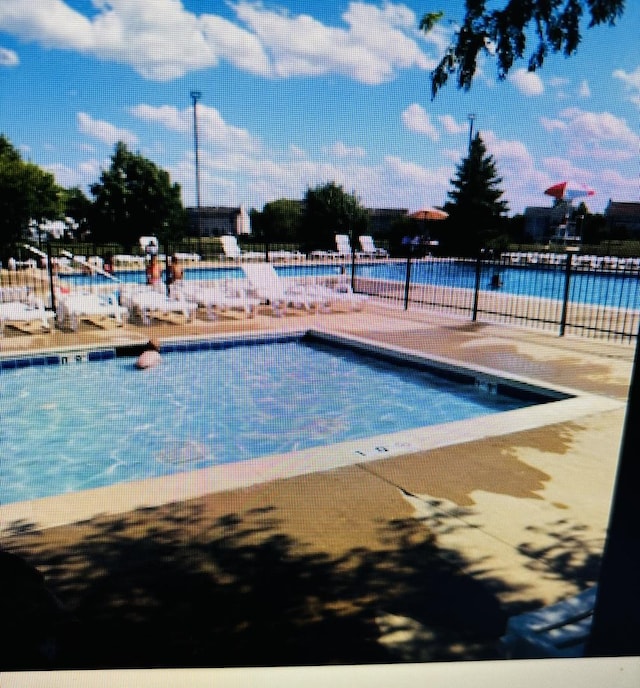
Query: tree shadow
(574, 554)
(168, 587)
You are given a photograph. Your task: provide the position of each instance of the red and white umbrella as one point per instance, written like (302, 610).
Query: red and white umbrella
(567, 191)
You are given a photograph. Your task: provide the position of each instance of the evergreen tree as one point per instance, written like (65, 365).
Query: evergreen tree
(476, 213)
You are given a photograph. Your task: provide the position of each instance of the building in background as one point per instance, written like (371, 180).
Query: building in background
(217, 221)
(381, 220)
(623, 218)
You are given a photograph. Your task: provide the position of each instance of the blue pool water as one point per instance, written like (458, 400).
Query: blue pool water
(67, 428)
(620, 290)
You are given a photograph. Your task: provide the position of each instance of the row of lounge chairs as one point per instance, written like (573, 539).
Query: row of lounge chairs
(344, 249)
(262, 286)
(610, 263)
(232, 250)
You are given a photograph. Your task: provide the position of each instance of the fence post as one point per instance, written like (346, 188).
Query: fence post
(50, 270)
(476, 290)
(565, 298)
(407, 280)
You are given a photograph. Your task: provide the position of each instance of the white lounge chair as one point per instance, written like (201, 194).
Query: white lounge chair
(27, 316)
(146, 304)
(269, 286)
(101, 310)
(370, 249)
(234, 252)
(560, 630)
(338, 297)
(216, 298)
(343, 246)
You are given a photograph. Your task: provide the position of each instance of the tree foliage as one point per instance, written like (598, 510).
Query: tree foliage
(281, 221)
(556, 25)
(475, 209)
(329, 211)
(133, 198)
(27, 194)
(77, 207)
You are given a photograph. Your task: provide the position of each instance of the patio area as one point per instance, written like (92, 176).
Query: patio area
(418, 557)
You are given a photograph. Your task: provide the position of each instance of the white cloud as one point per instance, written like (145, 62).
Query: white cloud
(553, 124)
(211, 126)
(8, 58)
(505, 150)
(341, 150)
(528, 83)
(583, 90)
(631, 79)
(559, 81)
(375, 44)
(632, 83)
(416, 118)
(451, 126)
(599, 126)
(161, 40)
(594, 135)
(104, 131)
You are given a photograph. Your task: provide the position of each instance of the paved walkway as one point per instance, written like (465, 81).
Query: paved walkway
(412, 558)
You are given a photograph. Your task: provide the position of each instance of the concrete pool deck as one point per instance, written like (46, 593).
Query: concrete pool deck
(416, 557)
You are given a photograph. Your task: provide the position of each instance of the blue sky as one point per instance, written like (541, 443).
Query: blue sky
(298, 93)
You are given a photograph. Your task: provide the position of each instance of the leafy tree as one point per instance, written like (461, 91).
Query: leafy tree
(281, 220)
(475, 210)
(27, 193)
(330, 211)
(503, 34)
(134, 198)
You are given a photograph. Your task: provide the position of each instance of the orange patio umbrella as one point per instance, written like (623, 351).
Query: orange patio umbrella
(429, 214)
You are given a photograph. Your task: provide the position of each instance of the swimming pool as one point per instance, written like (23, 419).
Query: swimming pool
(69, 428)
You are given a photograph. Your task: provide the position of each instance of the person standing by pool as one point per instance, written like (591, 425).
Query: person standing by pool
(154, 274)
(174, 271)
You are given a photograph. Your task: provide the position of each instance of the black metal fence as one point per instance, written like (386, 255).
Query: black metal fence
(571, 294)
(562, 292)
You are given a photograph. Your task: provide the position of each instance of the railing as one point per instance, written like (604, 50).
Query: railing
(595, 296)
(562, 292)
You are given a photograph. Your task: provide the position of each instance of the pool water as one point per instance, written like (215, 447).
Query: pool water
(67, 428)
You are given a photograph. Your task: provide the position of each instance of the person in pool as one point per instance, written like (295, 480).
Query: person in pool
(150, 357)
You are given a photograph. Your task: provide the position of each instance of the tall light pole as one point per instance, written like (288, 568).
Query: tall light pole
(195, 97)
(471, 117)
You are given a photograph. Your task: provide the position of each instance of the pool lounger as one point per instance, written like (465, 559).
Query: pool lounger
(98, 309)
(340, 297)
(28, 317)
(148, 304)
(269, 286)
(560, 630)
(216, 299)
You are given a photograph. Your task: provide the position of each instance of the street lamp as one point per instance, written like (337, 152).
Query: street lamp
(195, 97)
(471, 117)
